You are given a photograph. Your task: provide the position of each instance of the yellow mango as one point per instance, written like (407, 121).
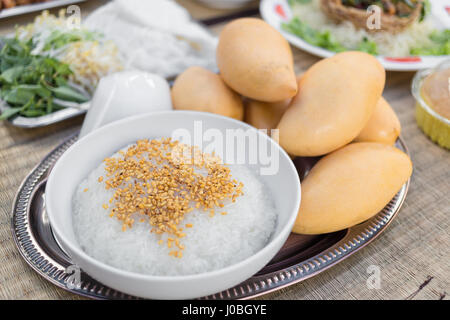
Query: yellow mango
(264, 115)
(383, 126)
(350, 185)
(337, 98)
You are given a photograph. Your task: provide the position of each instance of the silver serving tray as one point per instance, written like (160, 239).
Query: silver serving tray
(18, 10)
(300, 258)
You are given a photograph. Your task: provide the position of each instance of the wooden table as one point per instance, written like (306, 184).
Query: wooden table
(413, 254)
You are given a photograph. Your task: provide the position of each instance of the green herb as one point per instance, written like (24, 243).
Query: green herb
(58, 39)
(440, 45)
(293, 2)
(314, 37)
(426, 9)
(28, 83)
(324, 39)
(368, 46)
(68, 94)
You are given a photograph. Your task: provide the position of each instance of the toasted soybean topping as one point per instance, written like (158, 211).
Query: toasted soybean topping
(162, 180)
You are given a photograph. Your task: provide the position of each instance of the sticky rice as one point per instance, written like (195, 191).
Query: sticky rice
(211, 242)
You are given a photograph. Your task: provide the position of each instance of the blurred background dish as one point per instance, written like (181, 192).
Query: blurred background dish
(14, 8)
(158, 37)
(50, 66)
(226, 4)
(154, 36)
(431, 89)
(422, 44)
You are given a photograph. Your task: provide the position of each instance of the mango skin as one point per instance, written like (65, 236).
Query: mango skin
(255, 60)
(202, 90)
(383, 126)
(350, 185)
(337, 98)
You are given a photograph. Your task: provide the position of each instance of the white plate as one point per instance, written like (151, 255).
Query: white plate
(275, 12)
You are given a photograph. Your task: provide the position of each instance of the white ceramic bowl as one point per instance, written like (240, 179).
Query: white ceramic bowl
(87, 153)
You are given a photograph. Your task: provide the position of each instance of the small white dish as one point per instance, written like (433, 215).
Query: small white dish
(124, 94)
(88, 152)
(276, 12)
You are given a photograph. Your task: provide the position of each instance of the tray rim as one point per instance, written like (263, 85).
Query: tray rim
(45, 266)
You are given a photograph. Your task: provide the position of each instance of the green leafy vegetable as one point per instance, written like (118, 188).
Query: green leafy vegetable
(68, 94)
(324, 39)
(28, 83)
(19, 96)
(368, 46)
(293, 2)
(426, 8)
(8, 113)
(314, 37)
(440, 45)
(10, 75)
(61, 38)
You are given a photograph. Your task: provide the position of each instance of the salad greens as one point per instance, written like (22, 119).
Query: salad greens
(60, 38)
(440, 46)
(30, 83)
(324, 39)
(368, 46)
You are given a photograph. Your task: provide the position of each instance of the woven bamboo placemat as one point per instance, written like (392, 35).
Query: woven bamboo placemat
(412, 255)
